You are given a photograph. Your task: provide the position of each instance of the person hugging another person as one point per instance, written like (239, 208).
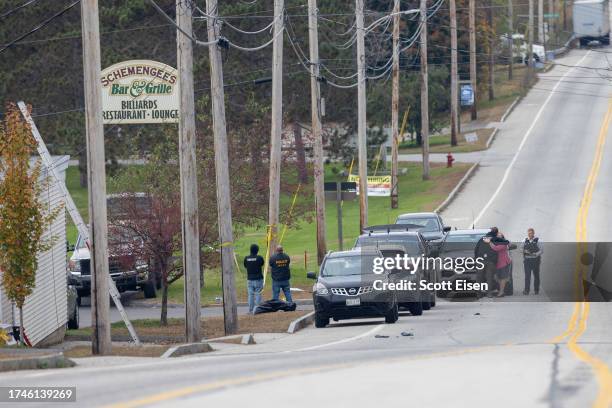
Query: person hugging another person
(501, 246)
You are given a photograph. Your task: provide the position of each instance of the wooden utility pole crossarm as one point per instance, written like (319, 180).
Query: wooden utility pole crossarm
(96, 177)
(317, 128)
(224, 202)
(188, 173)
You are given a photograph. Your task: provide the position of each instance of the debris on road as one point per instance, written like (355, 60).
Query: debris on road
(407, 334)
(381, 336)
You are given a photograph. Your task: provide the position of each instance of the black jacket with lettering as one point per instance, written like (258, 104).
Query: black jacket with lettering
(280, 267)
(254, 265)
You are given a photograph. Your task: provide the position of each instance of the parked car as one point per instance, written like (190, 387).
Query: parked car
(383, 238)
(462, 244)
(129, 271)
(429, 224)
(344, 289)
(459, 244)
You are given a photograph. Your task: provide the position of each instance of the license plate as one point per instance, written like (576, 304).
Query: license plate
(353, 302)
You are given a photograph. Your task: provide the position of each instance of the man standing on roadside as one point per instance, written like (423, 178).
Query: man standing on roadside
(483, 250)
(532, 255)
(281, 274)
(254, 264)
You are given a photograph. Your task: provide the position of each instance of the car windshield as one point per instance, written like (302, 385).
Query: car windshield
(474, 238)
(410, 243)
(426, 224)
(349, 265)
(461, 242)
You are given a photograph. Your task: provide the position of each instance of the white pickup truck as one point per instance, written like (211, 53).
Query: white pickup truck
(592, 21)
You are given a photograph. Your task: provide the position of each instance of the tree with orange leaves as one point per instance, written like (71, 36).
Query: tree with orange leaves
(24, 217)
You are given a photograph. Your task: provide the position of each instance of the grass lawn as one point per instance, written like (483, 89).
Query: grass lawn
(150, 331)
(300, 241)
(506, 92)
(441, 144)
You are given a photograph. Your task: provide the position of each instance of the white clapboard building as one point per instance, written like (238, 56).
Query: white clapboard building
(45, 310)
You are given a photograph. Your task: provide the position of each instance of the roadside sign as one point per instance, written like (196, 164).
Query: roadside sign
(378, 186)
(471, 138)
(467, 95)
(140, 91)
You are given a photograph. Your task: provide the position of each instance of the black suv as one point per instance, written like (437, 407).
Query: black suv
(429, 224)
(384, 238)
(345, 289)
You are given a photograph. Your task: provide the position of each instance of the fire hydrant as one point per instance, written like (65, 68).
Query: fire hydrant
(449, 160)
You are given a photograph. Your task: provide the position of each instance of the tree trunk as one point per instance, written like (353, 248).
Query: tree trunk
(300, 154)
(21, 332)
(164, 305)
(83, 168)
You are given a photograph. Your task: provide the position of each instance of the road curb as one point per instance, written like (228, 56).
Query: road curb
(457, 188)
(245, 339)
(186, 349)
(55, 360)
(490, 139)
(301, 322)
(509, 110)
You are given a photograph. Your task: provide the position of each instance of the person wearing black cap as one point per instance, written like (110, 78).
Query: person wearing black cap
(483, 250)
(254, 264)
(532, 255)
(281, 274)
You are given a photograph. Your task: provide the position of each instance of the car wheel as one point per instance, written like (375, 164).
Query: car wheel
(149, 290)
(426, 305)
(416, 308)
(392, 315)
(73, 321)
(321, 321)
(433, 301)
(442, 293)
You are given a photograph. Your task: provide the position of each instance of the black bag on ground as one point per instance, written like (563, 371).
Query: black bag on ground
(273, 305)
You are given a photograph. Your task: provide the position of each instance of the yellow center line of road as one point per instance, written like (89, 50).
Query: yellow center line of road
(578, 321)
(275, 375)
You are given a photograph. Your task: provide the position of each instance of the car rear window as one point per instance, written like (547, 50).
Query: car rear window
(427, 224)
(348, 265)
(409, 242)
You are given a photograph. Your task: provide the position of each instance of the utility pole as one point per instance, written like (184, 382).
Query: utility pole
(530, 34)
(277, 124)
(510, 40)
(491, 51)
(541, 21)
(564, 15)
(424, 91)
(361, 121)
(551, 19)
(454, 75)
(224, 201)
(188, 170)
(96, 179)
(395, 106)
(473, 79)
(317, 128)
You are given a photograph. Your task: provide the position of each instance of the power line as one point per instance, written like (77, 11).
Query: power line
(40, 26)
(16, 9)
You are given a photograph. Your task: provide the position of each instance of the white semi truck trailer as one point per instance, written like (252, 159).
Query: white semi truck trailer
(592, 21)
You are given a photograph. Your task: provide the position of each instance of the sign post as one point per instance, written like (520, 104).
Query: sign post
(340, 192)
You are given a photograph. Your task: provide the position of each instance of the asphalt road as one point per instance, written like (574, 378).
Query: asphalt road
(549, 169)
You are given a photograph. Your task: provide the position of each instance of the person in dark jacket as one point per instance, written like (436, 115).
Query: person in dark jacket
(254, 265)
(532, 255)
(483, 250)
(281, 274)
